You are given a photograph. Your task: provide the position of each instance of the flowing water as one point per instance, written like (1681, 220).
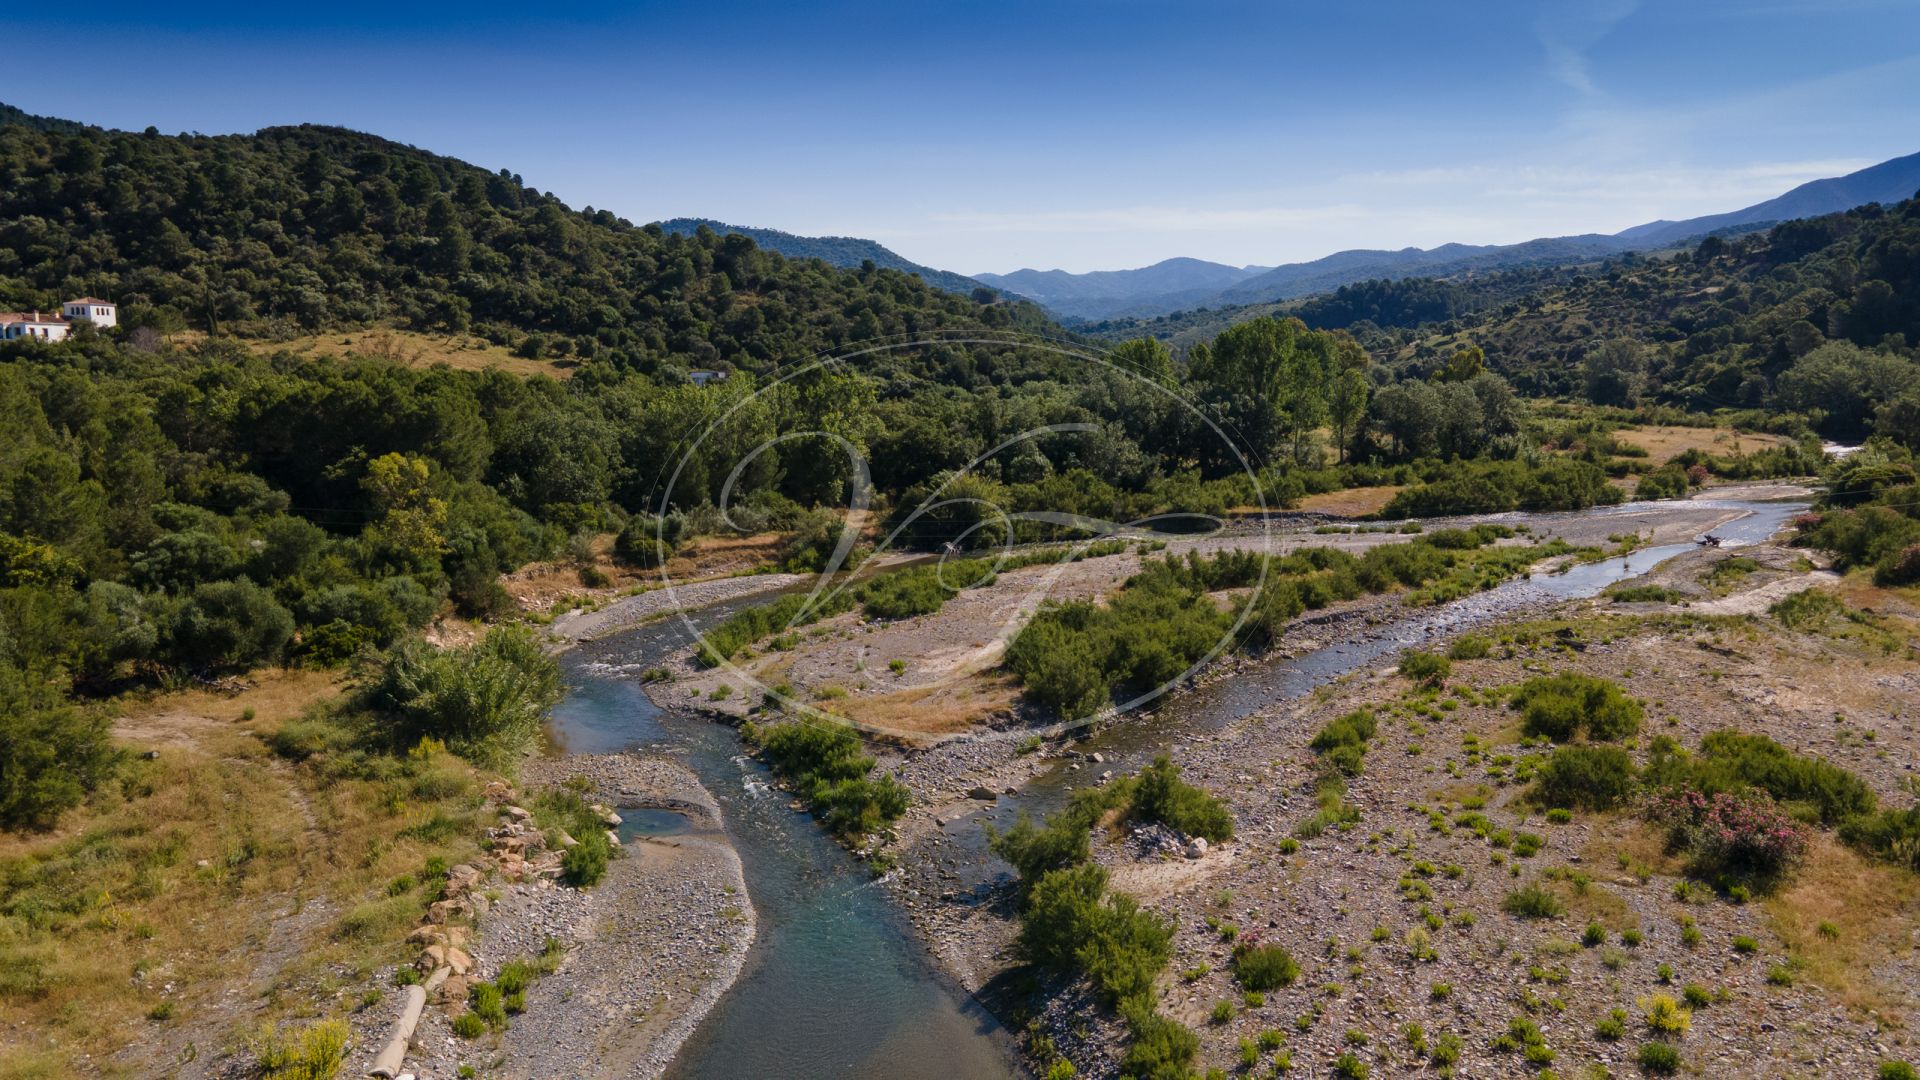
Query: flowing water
(837, 984)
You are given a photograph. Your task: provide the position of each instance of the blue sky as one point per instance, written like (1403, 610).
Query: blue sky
(992, 136)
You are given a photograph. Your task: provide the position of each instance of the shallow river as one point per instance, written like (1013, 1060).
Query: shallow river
(837, 984)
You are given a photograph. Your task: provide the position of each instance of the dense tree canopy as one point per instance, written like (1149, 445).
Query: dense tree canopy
(300, 228)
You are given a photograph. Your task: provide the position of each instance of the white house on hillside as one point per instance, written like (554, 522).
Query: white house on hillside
(93, 309)
(50, 327)
(37, 324)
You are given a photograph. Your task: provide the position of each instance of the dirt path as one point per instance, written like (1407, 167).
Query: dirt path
(1756, 601)
(627, 613)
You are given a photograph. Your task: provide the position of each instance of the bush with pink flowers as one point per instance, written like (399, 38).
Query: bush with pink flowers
(1745, 835)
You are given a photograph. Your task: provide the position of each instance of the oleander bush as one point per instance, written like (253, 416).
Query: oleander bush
(1743, 836)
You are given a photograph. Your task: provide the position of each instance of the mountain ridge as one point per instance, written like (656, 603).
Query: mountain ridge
(846, 252)
(1092, 297)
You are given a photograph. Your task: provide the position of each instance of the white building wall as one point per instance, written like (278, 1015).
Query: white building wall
(101, 315)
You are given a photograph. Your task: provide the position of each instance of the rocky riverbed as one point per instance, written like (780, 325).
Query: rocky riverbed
(1400, 924)
(648, 951)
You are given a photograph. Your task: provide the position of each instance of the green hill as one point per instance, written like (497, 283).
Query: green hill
(843, 251)
(1718, 327)
(294, 229)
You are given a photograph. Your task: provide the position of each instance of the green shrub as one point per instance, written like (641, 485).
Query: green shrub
(1061, 907)
(1666, 482)
(1588, 777)
(1124, 948)
(1729, 761)
(1162, 1048)
(486, 1001)
(1659, 1059)
(1563, 705)
(1893, 835)
(1264, 967)
(585, 863)
(1278, 603)
(1158, 794)
(1533, 902)
(923, 590)
(487, 701)
(639, 543)
(1330, 794)
(744, 627)
(1470, 647)
(315, 1053)
(1037, 850)
(1477, 486)
(469, 1025)
(1425, 668)
(50, 758)
(226, 625)
(1352, 729)
(1806, 609)
(826, 764)
(1897, 1070)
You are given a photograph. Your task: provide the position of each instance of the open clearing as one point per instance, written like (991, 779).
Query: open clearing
(1663, 444)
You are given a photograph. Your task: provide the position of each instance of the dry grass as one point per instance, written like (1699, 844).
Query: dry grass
(1352, 502)
(941, 709)
(1632, 846)
(713, 555)
(215, 887)
(415, 349)
(1594, 902)
(1663, 444)
(541, 587)
(1871, 906)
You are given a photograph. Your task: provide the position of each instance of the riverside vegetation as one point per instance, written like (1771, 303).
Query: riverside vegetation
(188, 506)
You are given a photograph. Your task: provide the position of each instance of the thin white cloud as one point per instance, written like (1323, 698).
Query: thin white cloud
(1567, 30)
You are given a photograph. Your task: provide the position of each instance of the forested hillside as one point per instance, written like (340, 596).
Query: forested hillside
(1820, 316)
(1362, 308)
(842, 251)
(299, 228)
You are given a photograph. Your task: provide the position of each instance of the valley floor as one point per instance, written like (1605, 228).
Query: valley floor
(1828, 987)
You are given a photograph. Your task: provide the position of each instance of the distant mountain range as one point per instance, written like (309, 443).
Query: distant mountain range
(1181, 282)
(844, 251)
(1186, 284)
